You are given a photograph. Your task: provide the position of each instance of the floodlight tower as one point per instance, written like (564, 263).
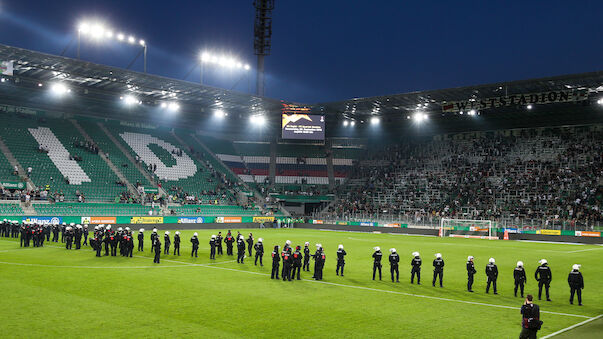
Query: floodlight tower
(262, 31)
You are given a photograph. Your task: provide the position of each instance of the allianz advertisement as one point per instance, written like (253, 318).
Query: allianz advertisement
(43, 220)
(191, 220)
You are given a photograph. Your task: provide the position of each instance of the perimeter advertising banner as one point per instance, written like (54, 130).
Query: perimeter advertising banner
(43, 220)
(190, 220)
(303, 126)
(587, 234)
(262, 220)
(228, 220)
(99, 220)
(13, 185)
(549, 232)
(146, 220)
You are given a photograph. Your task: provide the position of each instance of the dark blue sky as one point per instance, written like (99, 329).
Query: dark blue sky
(332, 50)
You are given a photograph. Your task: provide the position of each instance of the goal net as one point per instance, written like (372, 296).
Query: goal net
(468, 226)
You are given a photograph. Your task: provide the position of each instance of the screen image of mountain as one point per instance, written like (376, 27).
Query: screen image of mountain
(303, 126)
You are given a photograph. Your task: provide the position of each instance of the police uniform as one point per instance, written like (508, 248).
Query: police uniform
(259, 252)
(306, 265)
(519, 276)
(250, 243)
(492, 274)
(229, 240)
(438, 270)
(544, 276)
(240, 250)
(177, 243)
(576, 284)
(219, 243)
(394, 260)
(319, 262)
(415, 263)
(195, 243)
(340, 260)
(297, 263)
(157, 248)
(377, 262)
(141, 240)
(166, 242)
(275, 263)
(470, 273)
(287, 262)
(212, 247)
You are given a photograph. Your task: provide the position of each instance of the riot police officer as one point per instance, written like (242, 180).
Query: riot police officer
(576, 283)
(166, 242)
(415, 263)
(177, 243)
(544, 276)
(394, 260)
(195, 243)
(259, 251)
(306, 266)
(341, 253)
(276, 258)
(250, 243)
(492, 274)
(377, 255)
(470, 273)
(157, 247)
(287, 262)
(438, 269)
(212, 247)
(241, 249)
(229, 240)
(319, 262)
(219, 243)
(141, 240)
(297, 263)
(519, 275)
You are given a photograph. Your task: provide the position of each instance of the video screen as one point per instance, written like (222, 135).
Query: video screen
(303, 126)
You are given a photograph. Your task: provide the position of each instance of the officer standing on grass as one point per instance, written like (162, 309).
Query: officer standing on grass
(195, 243)
(177, 243)
(576, 284)
(259, 251)
(470, 273)
(341, 253)
(287, 262)
(250, 243)
(544, 276)
(157, 248)
(438, 269)
(78, 237)
(415, 263)
(297, 263)
(276, 258)
(241, 249)
(519, 275)
(319, 262)
(219, 243)
(96, 242)
(530, 322)
(141, 240)
(377, 255)
(229, 240)
(154, 236)
(306, 266)
(86, 232)
(212, 247)
(394, 260)
(492, 274)
(167, 242)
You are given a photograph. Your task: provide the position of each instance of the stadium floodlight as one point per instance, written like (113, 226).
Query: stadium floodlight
(530, 106)
(472, 112)
(224, 61)
(130, 100)
(258, 120)
(220, 114)
(40, 84)
(97, 30)
(172, 106)
(353, 123)
(59, 89)
(375, 121)
(600, 101)
(345, 123)
(419, 117)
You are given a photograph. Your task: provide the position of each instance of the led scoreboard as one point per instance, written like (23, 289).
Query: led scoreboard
(297, 123)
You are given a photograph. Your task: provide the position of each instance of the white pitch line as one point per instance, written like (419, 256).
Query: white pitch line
(90, 267)
(572, 327)
(588, 249)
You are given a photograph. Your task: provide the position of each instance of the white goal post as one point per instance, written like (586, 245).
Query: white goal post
(448, 224)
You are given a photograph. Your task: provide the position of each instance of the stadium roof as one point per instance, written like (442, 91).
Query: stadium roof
(106, 81)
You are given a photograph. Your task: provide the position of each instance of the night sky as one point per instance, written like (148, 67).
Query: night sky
(330, 50)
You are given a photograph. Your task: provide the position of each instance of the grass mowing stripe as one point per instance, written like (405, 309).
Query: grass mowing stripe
(572, 327)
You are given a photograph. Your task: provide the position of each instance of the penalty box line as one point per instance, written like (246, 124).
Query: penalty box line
(572, 327)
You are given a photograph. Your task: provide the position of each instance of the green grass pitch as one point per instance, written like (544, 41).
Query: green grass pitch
(53, 292)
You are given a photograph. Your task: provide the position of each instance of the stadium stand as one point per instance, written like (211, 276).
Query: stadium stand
(10, 209)
(301, 164)
(548, 174)
(92, 209)
(62, 162)
(212, 210)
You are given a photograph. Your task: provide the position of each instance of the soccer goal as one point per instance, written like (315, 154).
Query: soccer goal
(447, 225)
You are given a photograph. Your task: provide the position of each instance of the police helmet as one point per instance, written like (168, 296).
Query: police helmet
(177, 232)
(469, 258)
(260, 240)
(167, 232)
(340, 246)
(195, 234)
(520, 263)
(213, 236)
(377, 248)
(438, 255)
(576, 267)
(141, 230)
(543, 261)
(491, 260)
(393, 250)
(415, 254)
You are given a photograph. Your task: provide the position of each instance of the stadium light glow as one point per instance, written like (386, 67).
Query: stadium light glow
(130, 100)
(600, 101)
(258, 120)
(375, 121)
(131, 39)
(353, 123)
(472, 112)
(419, 117)
(121, 37)
(220, 114)
(59, 89)
(172, 106)
(345, 123)
(530, 106)
(225, 61)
